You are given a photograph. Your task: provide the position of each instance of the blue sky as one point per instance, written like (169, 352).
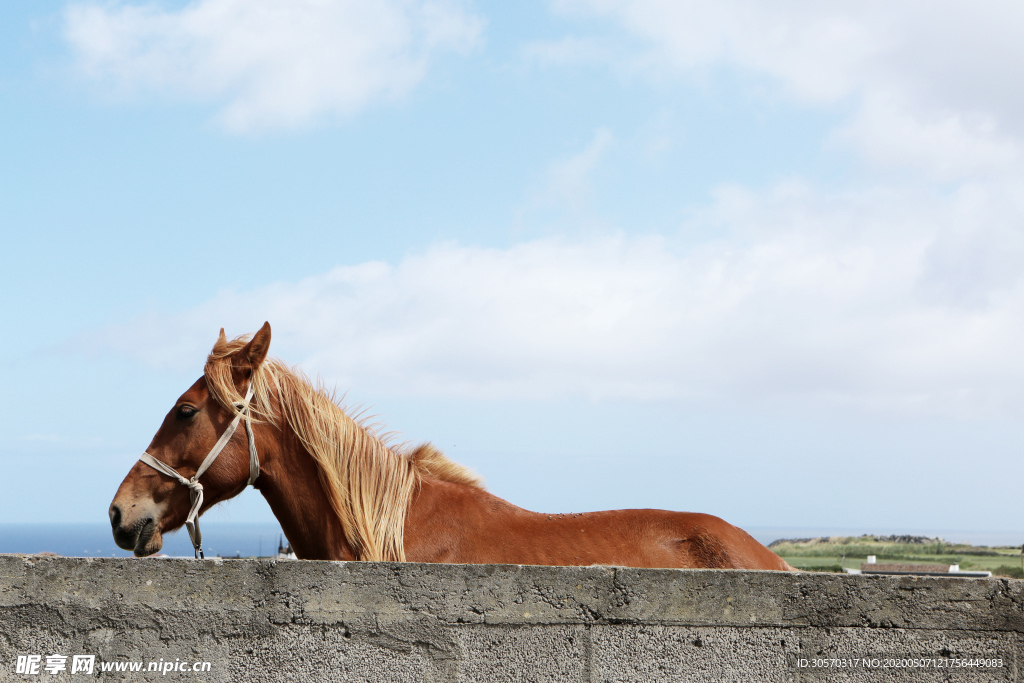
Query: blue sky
(759, 260)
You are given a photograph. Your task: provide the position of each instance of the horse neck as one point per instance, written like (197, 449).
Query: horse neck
(290, 482)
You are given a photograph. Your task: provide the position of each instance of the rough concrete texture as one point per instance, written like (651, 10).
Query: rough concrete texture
(259, 620)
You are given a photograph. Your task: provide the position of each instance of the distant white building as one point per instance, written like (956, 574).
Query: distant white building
(872, 566)
(284, 551)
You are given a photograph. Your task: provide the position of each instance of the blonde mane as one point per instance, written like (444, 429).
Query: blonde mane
(368, 482)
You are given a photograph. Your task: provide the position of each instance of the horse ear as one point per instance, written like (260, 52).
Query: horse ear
(255, 352)
(221, 345)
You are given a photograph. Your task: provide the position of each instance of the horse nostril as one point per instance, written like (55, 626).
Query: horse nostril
(115, 516)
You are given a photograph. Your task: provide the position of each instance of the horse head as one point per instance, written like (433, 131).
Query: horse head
(194, 446)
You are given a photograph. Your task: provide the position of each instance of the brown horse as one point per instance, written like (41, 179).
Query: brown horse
(341, 492)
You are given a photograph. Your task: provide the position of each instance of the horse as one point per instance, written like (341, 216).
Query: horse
(343, 491)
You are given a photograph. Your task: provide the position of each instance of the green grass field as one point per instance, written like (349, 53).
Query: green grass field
(832, 554)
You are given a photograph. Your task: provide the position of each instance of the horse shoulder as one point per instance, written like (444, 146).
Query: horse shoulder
(458, 522)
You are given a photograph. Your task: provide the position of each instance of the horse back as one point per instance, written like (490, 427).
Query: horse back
(453, 523)
(662, 538)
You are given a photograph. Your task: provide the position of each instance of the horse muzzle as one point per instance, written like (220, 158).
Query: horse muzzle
(142, 536)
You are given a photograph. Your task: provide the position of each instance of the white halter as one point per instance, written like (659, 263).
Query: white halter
(195, 489)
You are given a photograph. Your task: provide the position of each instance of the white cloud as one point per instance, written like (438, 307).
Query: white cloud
(843, 299)
(270, 64)
(775, 39)
(932, 83)
(942, 145)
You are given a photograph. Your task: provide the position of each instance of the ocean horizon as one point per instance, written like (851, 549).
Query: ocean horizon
(260, 539)
(90, 539)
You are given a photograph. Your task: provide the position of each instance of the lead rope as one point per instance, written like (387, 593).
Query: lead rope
(195, 489)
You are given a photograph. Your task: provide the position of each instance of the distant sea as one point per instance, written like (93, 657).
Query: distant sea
(230, 539)
(96, 540)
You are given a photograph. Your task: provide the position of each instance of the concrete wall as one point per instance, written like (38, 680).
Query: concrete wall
(260, 620)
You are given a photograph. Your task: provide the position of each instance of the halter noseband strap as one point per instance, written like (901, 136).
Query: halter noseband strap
(195, 489)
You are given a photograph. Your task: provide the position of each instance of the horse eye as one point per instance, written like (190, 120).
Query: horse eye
(185, 412)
